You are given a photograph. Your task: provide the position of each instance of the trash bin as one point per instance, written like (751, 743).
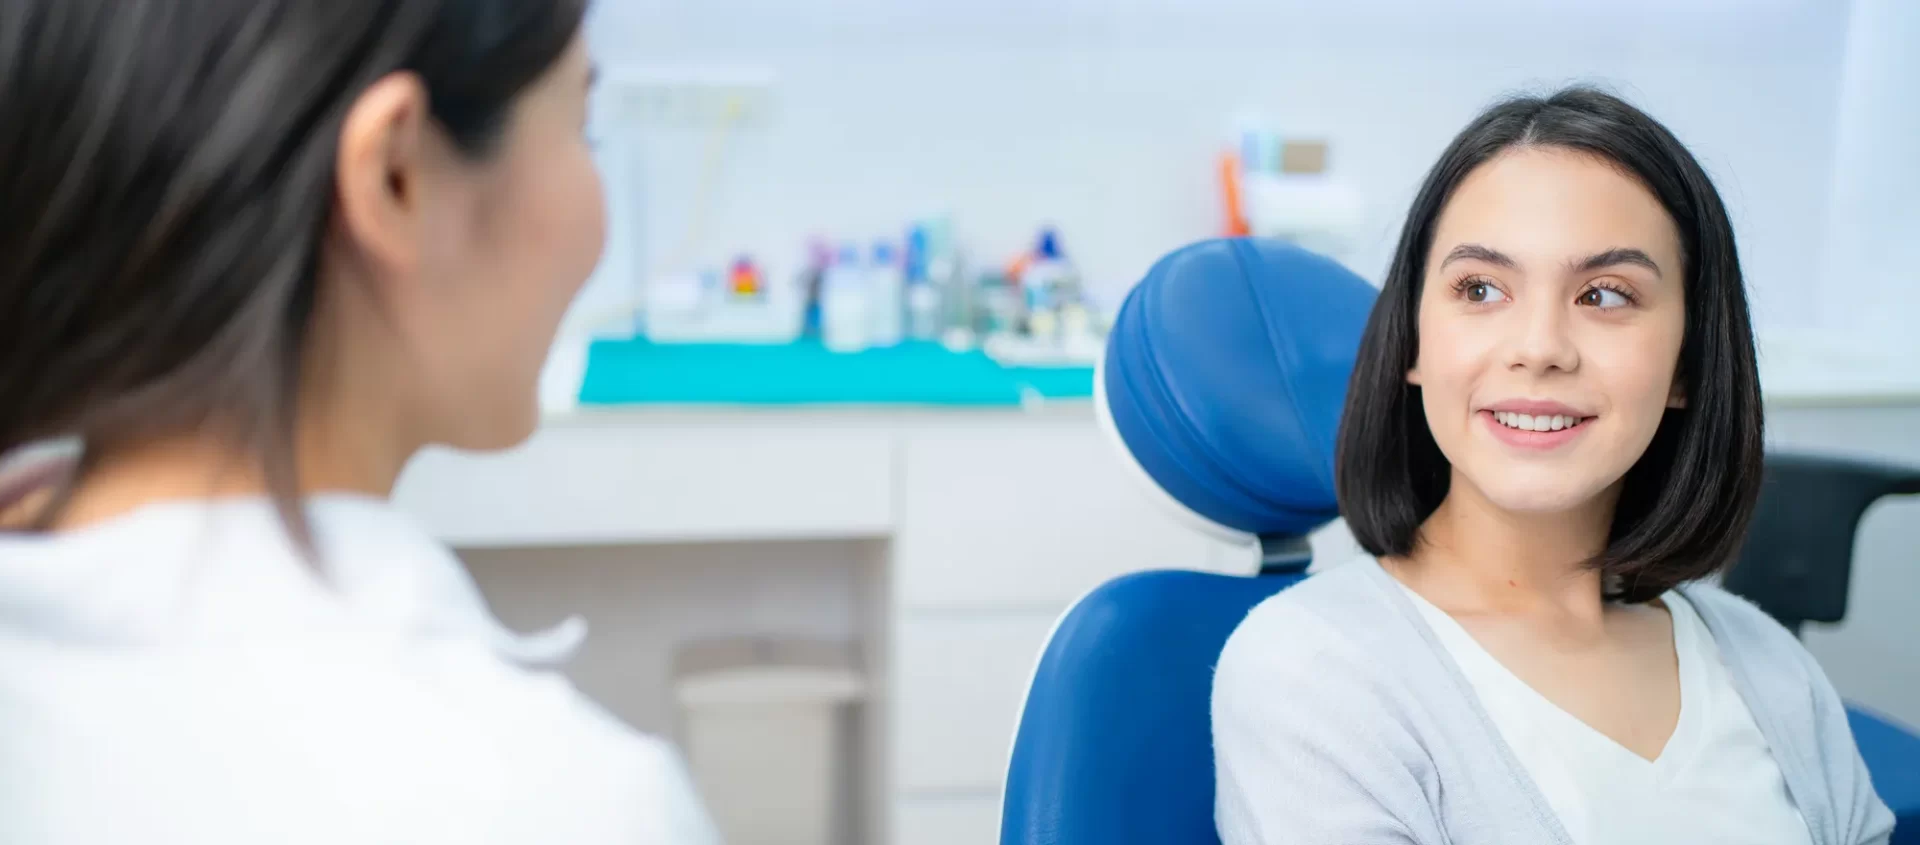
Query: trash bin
(761, 722)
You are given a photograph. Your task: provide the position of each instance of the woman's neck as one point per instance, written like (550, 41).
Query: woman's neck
(354, 430)
(334, 453)
(1472, 557)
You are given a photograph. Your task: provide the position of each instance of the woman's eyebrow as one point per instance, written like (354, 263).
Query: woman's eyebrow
(1476, 252)
(1616, 257)
(1597, 261)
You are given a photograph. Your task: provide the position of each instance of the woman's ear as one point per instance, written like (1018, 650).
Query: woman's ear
(1677, 396)
(1413, 374)
(379, 177)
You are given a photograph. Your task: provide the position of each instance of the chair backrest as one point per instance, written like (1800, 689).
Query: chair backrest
(1224, 379)
(1115, 741)
(1798, 558)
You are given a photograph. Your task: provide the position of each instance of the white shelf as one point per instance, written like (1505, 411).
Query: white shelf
(658, 481)
(1813, 371)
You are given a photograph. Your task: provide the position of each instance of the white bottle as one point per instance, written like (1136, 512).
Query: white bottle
(888, 290)
(845, 312)
(1303, 203)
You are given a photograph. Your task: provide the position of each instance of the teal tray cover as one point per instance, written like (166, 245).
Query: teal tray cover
(637, 372)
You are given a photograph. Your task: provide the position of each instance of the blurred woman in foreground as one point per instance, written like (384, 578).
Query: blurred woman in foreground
(257, 253)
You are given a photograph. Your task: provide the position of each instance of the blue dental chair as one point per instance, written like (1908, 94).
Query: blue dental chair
(1223, 384)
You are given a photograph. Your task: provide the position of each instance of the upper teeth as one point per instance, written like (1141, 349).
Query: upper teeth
(1528, 422)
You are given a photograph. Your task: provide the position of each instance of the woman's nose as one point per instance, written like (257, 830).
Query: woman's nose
(1540, 340)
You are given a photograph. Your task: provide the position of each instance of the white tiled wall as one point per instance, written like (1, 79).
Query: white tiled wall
(1104, 115)
(1873, 243)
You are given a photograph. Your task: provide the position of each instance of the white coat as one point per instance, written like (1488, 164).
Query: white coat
(181, 676)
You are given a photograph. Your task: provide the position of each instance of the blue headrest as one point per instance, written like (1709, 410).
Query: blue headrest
(1224, 379)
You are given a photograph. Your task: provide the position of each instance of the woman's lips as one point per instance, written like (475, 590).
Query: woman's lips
(1541, 432)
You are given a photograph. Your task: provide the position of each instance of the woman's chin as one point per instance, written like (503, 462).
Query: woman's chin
(1542, 496)
(495, 430)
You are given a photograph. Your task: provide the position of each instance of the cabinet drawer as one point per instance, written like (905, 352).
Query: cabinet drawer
(948, 820)
(1026, 516)
(646, 481)
(961, 683)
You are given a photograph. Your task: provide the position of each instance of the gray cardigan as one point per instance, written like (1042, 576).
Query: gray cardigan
(1338, 718)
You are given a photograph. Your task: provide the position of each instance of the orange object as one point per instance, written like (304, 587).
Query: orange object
(744, 280)
(1230, 194)
(1017, 269)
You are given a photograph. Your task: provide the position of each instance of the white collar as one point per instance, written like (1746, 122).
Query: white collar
(213, 570)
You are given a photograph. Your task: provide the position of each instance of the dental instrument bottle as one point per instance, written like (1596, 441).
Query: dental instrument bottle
(887, 296)
(845, 310)
(959, 304)
(923, 296)
(1049, 283)
(811, 287)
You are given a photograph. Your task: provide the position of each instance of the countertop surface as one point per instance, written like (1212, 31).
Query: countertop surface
(625, 382)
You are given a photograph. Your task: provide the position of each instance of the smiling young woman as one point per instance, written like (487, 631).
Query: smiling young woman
(1553, 434)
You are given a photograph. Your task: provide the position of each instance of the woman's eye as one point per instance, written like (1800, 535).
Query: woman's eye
(1603, 298)
(1479, 292)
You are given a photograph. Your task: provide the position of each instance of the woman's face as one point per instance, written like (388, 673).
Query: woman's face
(1550, 325)
(504, 250)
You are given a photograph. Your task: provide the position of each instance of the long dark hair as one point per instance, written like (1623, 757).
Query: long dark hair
(1685, 504)
(166, 178)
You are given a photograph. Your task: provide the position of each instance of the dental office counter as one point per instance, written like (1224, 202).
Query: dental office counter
(982, 526)
(973, 530)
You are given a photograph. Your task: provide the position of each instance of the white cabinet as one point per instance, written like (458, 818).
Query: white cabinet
(592, 482)
(1025, 515)
(1003, 524)
(960, 681)
(948, 820)
(988, 525)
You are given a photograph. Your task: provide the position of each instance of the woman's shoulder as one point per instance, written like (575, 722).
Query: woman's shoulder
(1318, 606)
(1797, 709)
(1328, 691)
(479, 749)
(1782, 684)
(1746, 635)
(1334, 628)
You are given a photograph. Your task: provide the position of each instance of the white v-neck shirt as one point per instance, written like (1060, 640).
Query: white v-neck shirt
(1716, 781)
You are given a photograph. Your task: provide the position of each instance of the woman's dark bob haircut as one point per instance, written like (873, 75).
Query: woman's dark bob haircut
(1684, 506)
